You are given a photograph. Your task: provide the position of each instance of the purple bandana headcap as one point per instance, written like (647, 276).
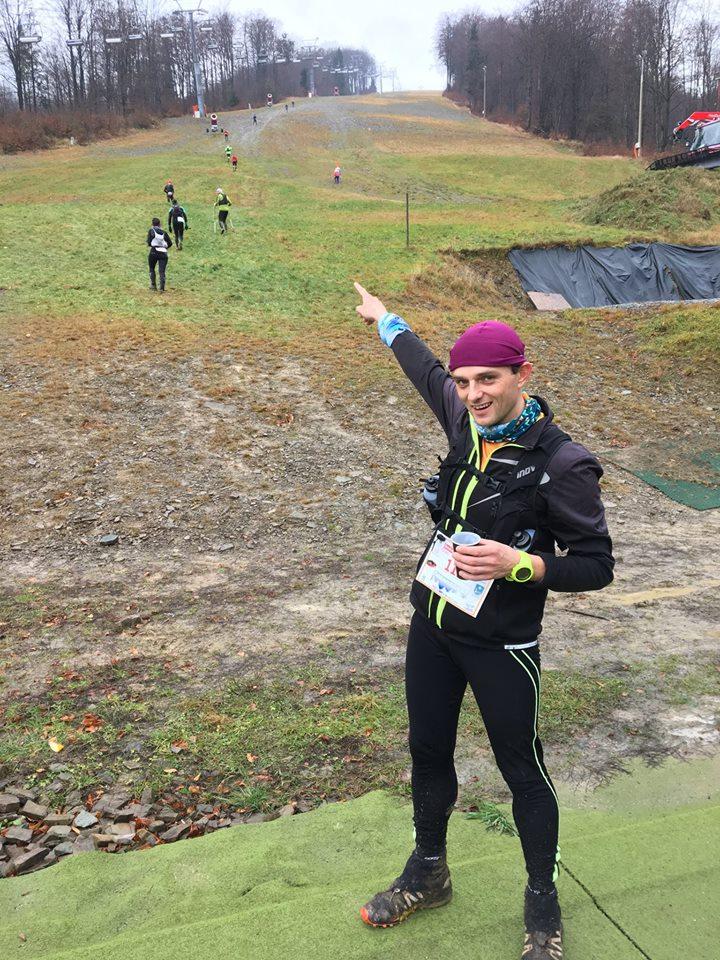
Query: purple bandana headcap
(487, 344)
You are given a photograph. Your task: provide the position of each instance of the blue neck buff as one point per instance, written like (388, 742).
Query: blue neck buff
(509, 432)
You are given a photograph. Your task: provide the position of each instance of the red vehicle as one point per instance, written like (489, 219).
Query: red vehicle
(701, 132)
(700, 117)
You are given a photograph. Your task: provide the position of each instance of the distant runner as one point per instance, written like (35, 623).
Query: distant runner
(226, 134)
(234, 162)
(178, 223)
(228, 153)
(222, 204)
(255, 119)
(169, 190)
(336, 173)
(159, 243)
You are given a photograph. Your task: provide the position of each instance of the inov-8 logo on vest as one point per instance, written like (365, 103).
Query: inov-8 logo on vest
(524, 473)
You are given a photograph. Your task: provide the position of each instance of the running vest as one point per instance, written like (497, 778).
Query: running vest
(498, 503)
(158, 242)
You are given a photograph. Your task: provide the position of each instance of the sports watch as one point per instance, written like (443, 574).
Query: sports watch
(523, 569)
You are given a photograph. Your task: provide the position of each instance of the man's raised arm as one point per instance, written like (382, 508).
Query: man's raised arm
(418, 362)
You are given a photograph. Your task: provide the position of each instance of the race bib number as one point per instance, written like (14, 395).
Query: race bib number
(439, 574)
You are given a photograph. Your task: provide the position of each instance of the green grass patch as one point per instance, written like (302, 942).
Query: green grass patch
(659, 201)
(252, 744)
(495, 819)
(684, 682)
(689, 334)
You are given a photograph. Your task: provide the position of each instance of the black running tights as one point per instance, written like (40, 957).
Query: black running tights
(506, 686)
(160, 260)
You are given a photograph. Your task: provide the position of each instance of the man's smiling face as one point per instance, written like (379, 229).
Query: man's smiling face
(492, 395)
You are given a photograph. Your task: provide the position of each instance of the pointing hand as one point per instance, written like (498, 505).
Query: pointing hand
(371, 308)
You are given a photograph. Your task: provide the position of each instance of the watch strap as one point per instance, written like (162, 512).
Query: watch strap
(523, 570)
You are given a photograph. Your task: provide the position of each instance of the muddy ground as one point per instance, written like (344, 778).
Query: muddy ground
(264, 518)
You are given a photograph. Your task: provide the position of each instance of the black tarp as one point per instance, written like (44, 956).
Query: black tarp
(638, 273)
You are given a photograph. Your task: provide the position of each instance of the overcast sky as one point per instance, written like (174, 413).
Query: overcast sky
(398, 33)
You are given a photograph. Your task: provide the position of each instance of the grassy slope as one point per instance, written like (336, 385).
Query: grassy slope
(74, 220)
(72, 230)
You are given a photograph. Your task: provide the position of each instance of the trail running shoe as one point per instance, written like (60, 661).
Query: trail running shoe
(417, 888)
(543, 927)
(543, 946)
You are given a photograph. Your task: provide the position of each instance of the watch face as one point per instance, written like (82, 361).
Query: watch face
(523, 575)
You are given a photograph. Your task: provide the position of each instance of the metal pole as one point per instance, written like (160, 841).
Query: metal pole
(32, 77)
(407, 218)
(484, 87)
(640, 106)
(196, 65)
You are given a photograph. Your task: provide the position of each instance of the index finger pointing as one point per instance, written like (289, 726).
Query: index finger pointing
(361, 290)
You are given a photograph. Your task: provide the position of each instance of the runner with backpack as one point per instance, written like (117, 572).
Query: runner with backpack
(178, 223)
(159, 242)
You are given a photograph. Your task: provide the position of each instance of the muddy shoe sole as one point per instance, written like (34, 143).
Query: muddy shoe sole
(403, 901)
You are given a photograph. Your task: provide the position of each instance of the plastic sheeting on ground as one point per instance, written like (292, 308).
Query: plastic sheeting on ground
(639, 273)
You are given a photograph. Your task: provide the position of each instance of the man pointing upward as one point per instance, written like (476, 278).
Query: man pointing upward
(516, 485)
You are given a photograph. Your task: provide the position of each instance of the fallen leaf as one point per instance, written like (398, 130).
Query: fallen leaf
(251, 757)
(91, 723)
(55, 746)
(178, 745)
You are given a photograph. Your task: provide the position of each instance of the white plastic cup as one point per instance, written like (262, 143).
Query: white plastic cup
(464, 539)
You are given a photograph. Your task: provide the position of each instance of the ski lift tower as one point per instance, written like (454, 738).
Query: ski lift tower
(30, 42)
(191, 13)
(310, 51)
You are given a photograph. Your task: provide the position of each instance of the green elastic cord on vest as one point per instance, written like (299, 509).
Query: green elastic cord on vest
(463, 510)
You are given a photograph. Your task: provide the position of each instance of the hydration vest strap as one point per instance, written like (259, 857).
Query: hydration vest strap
(483, 478)
(449, 514)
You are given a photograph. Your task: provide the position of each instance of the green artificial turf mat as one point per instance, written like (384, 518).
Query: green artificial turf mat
(292, 888)
(681, 473)
(657, 877)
